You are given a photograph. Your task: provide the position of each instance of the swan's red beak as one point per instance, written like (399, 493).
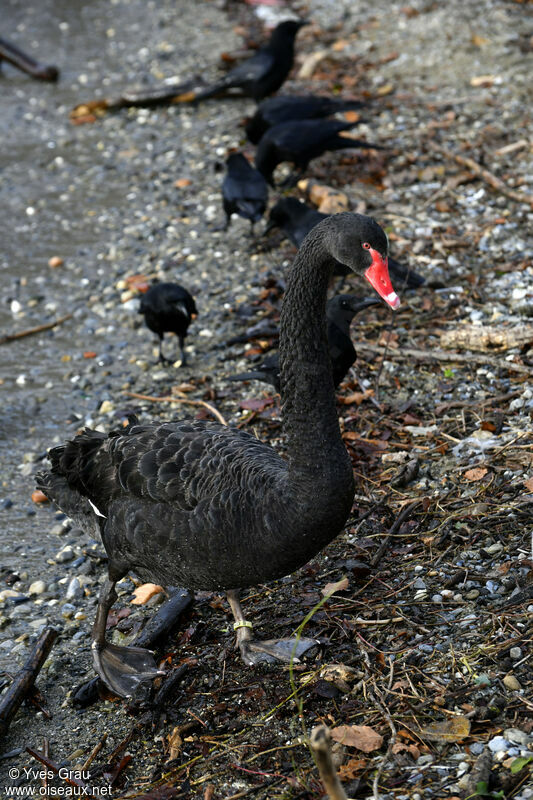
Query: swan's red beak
(378, 276)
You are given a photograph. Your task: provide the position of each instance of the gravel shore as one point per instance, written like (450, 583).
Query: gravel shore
(138, 193)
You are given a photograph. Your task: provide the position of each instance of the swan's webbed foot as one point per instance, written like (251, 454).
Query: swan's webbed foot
(255, 652)
(122, 669)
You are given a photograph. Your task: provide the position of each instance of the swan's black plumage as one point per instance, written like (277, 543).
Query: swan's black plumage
(212, 507)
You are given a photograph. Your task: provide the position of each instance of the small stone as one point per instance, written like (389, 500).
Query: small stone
(517, 736)
(447, 594)
(476, 748)
(498, 744)
(74, 590)
(511, 683)
(421, 594)
(515, 653)
(472, 594)
(54, 262)
(427, 758)
(436, 598)
(64, 555)
(10, 594)
(67, 610)
(37, 587)
(419, 584)
(106, 407)
(494, 548)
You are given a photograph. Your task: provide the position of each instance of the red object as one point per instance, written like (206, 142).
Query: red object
(378, 276)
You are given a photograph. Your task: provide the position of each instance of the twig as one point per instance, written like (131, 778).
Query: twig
(11, 337)
(320, 744)
(404, 514)
(184, 400)
(68, 776)
(486, 176)
(94, 752)
(25, 678)
(392, 742)
(441, 355)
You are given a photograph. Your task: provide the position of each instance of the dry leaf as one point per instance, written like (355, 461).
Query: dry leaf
(352, 116)
(529, 484)
(181, 183)
(339, 45)
(352, 768)
(360, 736)
(410, 748)
(479, 41)
(475, 474)
(144, 592)
(310, 63)
(355, 397)
(339, 586)
(55, 261)
(39, 497)
(451, 730)
(387, 88)
(482, 81)
(174, 744)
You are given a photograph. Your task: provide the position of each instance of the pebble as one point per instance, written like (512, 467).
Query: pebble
(515, 653)
(64, 555)
(517, 736)
(10, 594)
(37, 587)
(497, 744)
(68, 610)
(511, 683)
(74, 590)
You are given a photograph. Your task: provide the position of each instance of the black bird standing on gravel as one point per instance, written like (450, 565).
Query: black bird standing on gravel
(208, 506)
(264, 72)
(284, 108)
(244, 190)
(340, 310)
(296, 219)
(299, 141)
(168, 308)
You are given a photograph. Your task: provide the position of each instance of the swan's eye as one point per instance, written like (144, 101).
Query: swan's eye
(366, 245)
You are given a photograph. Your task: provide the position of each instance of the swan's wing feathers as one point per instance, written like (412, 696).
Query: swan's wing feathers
(183, 464)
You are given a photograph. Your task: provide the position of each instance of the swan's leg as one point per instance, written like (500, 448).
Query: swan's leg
(120, 668)
(254, 651)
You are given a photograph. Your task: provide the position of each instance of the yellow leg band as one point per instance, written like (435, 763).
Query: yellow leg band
(243, 624)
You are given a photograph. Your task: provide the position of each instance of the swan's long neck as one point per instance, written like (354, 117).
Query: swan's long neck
(318, 462)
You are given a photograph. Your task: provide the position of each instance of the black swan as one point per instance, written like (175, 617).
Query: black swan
(264, 72)
(197, 504)
(244, 190)
(168, 308)
(283, 108)
(340, 310)
(296, 219)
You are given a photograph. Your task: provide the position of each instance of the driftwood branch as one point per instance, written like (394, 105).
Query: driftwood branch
(487, 337)
(320, 743)
(25, 678)
(141, 98)
(11, 337)
(21, 60)
(486, 176)
(185, 400)
(441, 355)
